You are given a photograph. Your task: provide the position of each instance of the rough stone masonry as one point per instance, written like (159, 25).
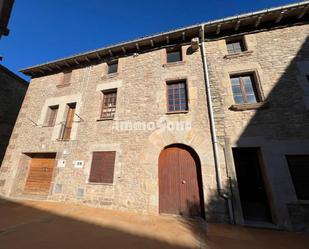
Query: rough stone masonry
(276, 56)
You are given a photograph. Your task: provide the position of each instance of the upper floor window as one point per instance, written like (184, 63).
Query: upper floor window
(235, 46)
(244, 89)
(112, 67)
(66, 79)
(51, 115)
(109, 104)
(177, 96)
(173, 54)
(299, 170)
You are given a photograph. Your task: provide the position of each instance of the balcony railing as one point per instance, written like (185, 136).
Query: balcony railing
(65, 132)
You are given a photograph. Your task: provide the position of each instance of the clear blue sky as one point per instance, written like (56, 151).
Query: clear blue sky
(44, 30)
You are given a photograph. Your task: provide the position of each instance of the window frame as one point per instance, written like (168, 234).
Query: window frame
(171, 50)
(104, 93)
(171, 82)
(256, 85)
(111, 63)
(51, 109)
(240, 40)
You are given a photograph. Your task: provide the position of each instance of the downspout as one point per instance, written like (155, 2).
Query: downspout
(214, 139)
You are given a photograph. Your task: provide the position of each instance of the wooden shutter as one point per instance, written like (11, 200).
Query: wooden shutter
(102, 167)
(69, 122)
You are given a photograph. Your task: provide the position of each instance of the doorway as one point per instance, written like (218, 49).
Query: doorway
(40, 173)
(180, 182)
(251, 184)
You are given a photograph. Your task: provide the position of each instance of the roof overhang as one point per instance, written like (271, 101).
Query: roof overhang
(5, 13)
(251, 22)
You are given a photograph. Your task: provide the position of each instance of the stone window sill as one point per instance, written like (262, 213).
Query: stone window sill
(105, 119)
(109, 76)
(237, 55)
(177, 112)
(63, 85)
(100, 184)
(173, 64)
(251, 106)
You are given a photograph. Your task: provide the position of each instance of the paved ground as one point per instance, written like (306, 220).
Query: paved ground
(47, 225)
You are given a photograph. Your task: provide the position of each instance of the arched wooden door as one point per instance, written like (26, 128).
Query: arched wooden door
(179, 175)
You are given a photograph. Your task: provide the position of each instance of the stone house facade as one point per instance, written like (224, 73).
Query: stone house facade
(130, 126)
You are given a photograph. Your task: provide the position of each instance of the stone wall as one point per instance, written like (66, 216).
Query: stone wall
(278, 57)
(141, 96)
(12, 92)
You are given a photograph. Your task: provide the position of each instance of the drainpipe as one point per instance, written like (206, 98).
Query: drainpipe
(214, 139)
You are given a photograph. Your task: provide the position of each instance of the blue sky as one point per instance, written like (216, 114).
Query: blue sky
(46, 30)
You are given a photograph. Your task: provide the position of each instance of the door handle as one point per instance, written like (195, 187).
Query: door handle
(183, 182)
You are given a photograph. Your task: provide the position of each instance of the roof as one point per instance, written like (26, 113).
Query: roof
(13, 75)
(263, 19)
(5, 13)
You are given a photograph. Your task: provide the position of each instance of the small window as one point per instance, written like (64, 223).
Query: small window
(177, 96)
(299, 169)
(102, 167)
(307, 76)
(173, 54)
(112, 67)
(244, 89)
(66, 77)
(235, 46)
(51, 115)
(109, 104)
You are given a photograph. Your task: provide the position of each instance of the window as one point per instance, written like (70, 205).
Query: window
(235, 46)
(102, 167)
(109, 104)
(67, 127)
(66, 77)
(307, 76)
(244, 89)
(177, 96)
(51, 115)
(112, 67)
(173, 54)
(299, 169)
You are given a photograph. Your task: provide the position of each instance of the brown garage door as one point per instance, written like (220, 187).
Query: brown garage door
(40, 175)
(179, 191)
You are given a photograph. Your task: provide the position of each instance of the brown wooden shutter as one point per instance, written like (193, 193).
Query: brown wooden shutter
(102, 167)
(69, 121)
